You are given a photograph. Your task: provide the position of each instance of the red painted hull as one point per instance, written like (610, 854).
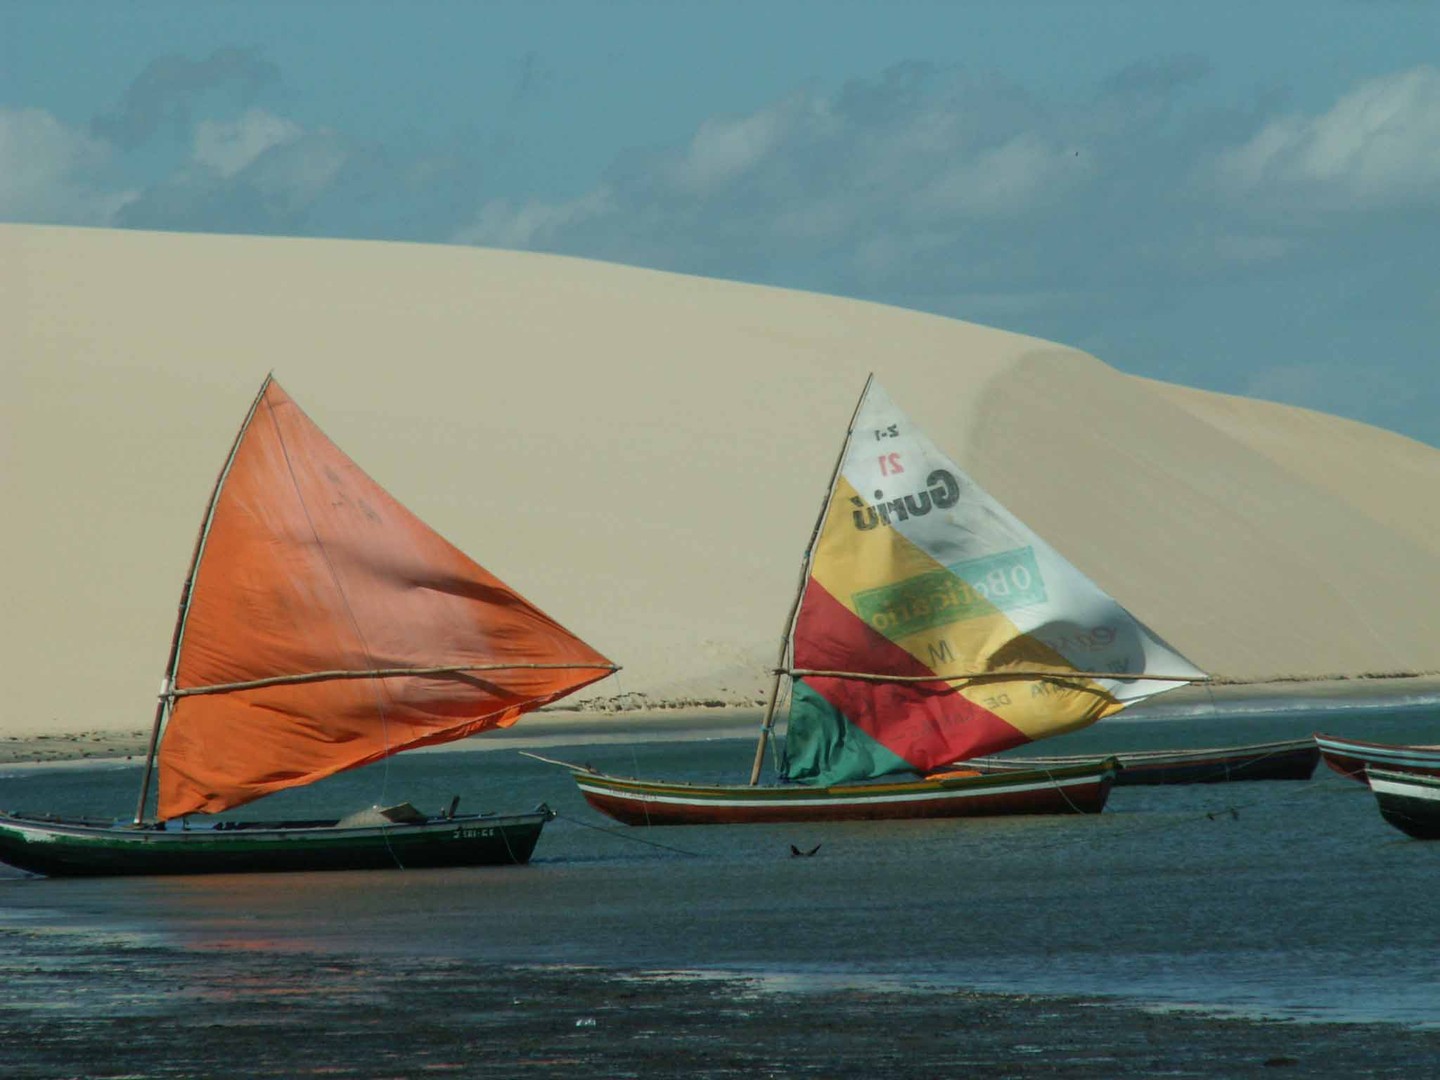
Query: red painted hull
(1078, 790)
(1351, 757)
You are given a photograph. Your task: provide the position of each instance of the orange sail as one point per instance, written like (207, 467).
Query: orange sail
(327, 627)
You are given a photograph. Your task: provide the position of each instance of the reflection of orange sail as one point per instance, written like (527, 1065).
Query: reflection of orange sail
(328, 627)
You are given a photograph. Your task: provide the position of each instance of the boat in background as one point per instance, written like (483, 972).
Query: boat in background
(930, 626)
(1292, 759)
(1409, 801)
(322, 627)
(1352, 757)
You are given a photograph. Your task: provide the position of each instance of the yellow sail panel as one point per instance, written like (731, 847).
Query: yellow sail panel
(1040, 708)
(900, 591)
(943, 622)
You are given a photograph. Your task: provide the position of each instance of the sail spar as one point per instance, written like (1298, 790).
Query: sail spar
(328, 627)
(934, 626)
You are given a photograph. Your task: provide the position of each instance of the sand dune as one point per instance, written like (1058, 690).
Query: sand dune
(643, 455)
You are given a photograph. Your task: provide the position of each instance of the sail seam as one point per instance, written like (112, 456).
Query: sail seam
(381, 704)
(1000, 675)
(378, 673)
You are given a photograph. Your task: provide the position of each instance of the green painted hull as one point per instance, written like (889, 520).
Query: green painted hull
(60, 848)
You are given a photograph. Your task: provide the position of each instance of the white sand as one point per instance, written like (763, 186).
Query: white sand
(643, 455)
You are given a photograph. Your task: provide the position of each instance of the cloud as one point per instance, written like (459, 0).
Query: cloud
(517, 227)
(251, 173)
(1378, 146)
(171, 88)
(965, 194)
(875, 173)
(227, 147)
(1156, 79)
(46, 172)
(724, 151)
(258, 173)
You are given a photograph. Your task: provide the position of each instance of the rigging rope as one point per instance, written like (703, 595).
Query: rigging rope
(624, 835)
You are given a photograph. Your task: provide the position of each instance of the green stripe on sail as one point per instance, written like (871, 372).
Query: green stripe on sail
(974, 589)
(824, 748)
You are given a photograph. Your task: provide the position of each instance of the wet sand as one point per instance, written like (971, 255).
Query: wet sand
(338, 1017)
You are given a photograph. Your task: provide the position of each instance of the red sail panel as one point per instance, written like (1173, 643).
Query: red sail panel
(925, 724)
(310, 566)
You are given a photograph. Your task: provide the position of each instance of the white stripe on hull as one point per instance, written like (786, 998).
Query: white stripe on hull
(1409, 789)
(858, 799)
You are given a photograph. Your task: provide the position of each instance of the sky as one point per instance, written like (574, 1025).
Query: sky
(1241, 197)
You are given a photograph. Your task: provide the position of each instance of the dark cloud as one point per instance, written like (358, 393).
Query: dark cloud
(168, 90)
(531, 81)
(1156, 77)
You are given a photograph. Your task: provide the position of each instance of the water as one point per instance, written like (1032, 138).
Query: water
(1272, 900)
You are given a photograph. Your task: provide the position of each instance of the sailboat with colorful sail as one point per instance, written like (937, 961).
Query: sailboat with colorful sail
(931, 626)
(322, 627)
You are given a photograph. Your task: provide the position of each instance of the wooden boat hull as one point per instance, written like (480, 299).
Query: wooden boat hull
(1409, 801)
(60, 848)
(1294, 759)
(1079, 790)
(1352, 757)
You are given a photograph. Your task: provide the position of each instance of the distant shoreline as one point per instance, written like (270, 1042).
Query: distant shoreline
(689, 719)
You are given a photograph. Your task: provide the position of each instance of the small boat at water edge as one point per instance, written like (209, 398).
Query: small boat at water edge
(1409, 801)
(1291, 759)
(322, 627)
(1353, 757)
(930, 626)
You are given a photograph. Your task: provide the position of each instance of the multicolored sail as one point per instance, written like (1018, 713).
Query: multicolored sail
(325, 627)
(935, 626)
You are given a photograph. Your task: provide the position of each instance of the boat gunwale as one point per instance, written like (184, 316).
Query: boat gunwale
(91, 830)
(1098, 768)
(1351, 758)
(1343, 741)
(1198, 755)
(1399, 778)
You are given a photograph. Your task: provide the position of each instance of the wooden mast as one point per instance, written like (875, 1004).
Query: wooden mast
(167, 686)
(768, 722)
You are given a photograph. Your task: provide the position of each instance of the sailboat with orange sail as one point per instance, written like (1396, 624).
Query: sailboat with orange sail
(322, 627)
(931, 626)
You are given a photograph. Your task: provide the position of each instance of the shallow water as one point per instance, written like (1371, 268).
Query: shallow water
(1271, 900)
